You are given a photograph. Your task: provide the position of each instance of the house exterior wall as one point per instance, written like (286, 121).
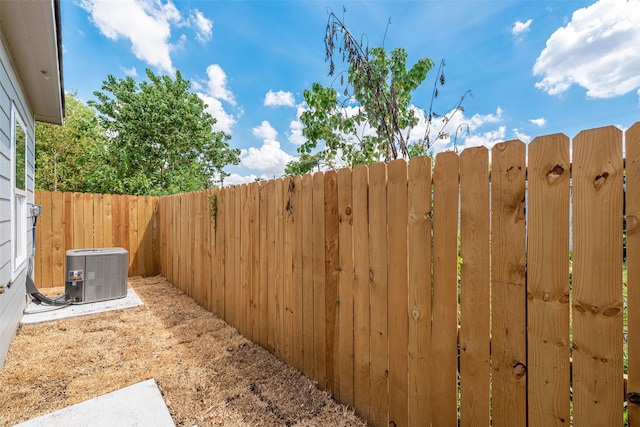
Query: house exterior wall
(12, 101)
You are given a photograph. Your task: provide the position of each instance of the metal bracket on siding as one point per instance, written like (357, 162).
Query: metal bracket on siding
(4, 287)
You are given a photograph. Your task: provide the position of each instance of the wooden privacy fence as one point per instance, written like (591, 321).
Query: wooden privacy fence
(420, 297)
(78, 221)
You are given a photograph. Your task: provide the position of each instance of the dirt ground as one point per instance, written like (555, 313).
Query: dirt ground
(209, 375)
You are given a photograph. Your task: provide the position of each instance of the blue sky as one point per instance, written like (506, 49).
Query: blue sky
(534, 67)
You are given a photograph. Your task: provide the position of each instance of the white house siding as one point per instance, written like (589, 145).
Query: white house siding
(13, 300)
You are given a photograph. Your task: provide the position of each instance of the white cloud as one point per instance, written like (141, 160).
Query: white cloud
(213, 91)
(485, 139)
(279, 99)
(539, 122)
(236, 179)
(522, 136)
(597, 49)
(224, 121)
(269, 159)
(204, 26)
(478, 120)
(295, 127)
(443, 132)
(519, 28)
(146, 24)
(455, 128)
(217, 84)
(265, 131)
(295, 133)
(182, 41)
(130, 72)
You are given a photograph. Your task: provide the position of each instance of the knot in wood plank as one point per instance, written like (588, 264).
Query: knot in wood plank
(554, 173)
(519, 369)
(599, 180)
(633, 398)
(632, 224)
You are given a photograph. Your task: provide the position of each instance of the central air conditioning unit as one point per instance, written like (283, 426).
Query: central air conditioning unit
(96, 274)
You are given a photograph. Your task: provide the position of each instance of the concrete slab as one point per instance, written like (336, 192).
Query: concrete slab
(138, 405)
(44, 313)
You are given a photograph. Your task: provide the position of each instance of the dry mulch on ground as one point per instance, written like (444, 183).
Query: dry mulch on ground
(209, 375)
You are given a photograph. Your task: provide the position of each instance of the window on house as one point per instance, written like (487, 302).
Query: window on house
(19, 200)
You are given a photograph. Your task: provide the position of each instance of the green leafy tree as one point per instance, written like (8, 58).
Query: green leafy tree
(161, 139)
(373, 122)
(64, 154)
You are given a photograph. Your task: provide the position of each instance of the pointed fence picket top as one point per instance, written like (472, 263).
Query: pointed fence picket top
(418, 293)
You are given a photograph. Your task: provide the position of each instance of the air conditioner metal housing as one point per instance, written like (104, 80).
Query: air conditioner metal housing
(96, 274)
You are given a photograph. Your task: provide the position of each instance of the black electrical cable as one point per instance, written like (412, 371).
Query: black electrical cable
(39, 298)
(33, 251)
(53, 308)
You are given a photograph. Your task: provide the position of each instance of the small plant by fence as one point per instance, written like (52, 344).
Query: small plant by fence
(423, 295)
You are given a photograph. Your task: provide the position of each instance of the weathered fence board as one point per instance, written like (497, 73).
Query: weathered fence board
(142, 222)
(297, 302)
(475, 309)
(444, 324)
(57, 240)
(44, 230)
(419, 289)
(270, 302)
(261, 296)
(77, 222)
(361, 298)
(207, 229)
(88, 222)
(331, 280)
(319, 303)
(548, 281)
(398, 321)
(307, 276)
(597, 277)
(508, 284)
(287, 264)
(98, 219)
(255, 229)
(280, 242)
(378, 295)
(345, 286)
(633, 271)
